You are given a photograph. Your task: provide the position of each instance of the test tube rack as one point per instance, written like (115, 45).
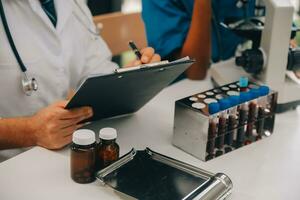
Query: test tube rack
(207, 135)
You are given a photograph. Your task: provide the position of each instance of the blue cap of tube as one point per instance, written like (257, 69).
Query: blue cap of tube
(243, 81)
(264, 90)
(245, 96)
(255, 93)
(213, 108)
(234, 100)
(224, 104)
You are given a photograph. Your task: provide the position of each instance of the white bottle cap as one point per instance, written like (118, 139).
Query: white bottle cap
(84, 137)
(108, 134)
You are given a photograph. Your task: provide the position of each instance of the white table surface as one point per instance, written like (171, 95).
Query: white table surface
(268, 169)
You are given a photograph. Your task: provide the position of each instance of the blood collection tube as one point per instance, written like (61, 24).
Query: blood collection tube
(252, 115)
(222, 127)
(243, 117)
(212, 129)
(262, 104)
(243, 83)
(232, 123)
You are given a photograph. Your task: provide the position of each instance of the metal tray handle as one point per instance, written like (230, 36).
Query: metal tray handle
(217, 187)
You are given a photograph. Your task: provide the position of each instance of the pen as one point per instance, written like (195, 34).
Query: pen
(135, 49)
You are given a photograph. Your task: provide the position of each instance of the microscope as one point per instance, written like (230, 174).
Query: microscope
(267, 63)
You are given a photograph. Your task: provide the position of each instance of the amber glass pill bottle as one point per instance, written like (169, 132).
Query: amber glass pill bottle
(108, 150)
(83, 156)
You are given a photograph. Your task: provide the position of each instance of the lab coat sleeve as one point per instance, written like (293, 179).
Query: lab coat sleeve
(98, 58)
(97, 54)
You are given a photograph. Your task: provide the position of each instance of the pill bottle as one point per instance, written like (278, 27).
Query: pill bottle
(83, 156)
(108, 149)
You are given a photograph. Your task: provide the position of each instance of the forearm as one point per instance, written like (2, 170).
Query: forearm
(16, 133)
(198, 41)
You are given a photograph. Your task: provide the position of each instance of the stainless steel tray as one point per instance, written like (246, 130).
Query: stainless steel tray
(148, 175)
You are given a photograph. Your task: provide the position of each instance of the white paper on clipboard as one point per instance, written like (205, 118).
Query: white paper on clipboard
(161, 63)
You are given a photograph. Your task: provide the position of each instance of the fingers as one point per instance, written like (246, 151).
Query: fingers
(136, 63)
(66, 140)
(70, 122)
(155, 58)
(61, 138)
(297, 73)
(59, 144)
(293, 44)
(68, 131)
(56, 124)
(71, 129)
(147, 54)
(83, 112)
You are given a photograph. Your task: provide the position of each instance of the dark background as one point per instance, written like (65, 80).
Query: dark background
(98, 7)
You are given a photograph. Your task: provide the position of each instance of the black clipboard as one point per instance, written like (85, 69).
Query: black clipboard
(127, 90)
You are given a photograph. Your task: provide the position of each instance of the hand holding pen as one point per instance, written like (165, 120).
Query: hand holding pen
(145, 56)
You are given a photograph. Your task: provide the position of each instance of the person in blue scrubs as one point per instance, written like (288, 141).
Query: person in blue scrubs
(177, 28)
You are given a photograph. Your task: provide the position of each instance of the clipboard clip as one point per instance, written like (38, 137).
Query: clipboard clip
(127, 69)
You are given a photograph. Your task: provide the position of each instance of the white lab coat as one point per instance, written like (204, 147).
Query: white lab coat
(58, 58)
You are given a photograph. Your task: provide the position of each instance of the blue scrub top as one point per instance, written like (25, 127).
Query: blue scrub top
(167, 23)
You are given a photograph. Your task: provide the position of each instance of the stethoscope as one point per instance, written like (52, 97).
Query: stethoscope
(30, 85)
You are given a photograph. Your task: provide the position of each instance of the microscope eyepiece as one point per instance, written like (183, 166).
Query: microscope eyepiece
(252, 60)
